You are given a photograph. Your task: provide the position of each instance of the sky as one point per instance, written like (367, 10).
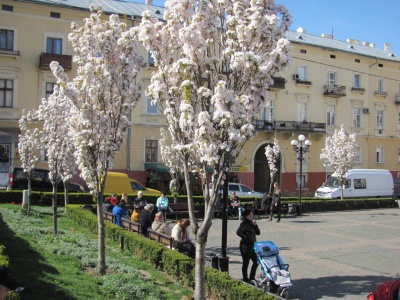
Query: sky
(373, 21)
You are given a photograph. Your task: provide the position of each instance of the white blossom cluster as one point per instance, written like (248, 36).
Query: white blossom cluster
(103, 93)
(272, 154)
(215, 60)
(340, 152)
(29, 146)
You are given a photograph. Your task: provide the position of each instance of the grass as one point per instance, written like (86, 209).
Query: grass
(63, 266)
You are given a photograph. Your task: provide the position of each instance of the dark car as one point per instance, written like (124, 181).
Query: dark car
(396, 188)
(17, 180)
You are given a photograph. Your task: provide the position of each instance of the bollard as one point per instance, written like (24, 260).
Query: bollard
(121, 242)
(214, 262)
(224, 264)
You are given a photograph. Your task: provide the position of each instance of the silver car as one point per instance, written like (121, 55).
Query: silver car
(241, 190)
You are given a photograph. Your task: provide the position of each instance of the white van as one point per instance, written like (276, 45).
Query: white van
(358, 183)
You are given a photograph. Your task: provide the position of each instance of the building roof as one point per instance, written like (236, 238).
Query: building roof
(120, 7)
(133, 9)
(329, 43)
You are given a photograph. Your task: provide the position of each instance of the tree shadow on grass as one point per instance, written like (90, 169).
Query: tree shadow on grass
(29, 266)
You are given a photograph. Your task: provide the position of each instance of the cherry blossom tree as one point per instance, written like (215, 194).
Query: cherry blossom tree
(340, 153)
(29, 149)
(103, 93)
(272, 154)
(215, 61)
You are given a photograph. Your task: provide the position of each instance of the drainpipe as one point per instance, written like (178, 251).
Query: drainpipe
(128, 146)
(369, 104)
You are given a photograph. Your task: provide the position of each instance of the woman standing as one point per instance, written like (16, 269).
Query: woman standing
(276, 202)
(247, 231)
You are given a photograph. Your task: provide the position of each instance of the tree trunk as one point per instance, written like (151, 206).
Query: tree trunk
(29, 196)
(101, 237)
(66, 195)
(54, 197)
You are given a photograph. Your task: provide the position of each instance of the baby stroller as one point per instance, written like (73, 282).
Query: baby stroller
(274, 276)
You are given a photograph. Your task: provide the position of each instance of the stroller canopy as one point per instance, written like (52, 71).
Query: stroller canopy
(388, 290)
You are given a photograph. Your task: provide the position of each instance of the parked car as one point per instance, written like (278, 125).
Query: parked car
(396, 188)
(121, 183)
(240, 190)
(358, 183)
(17, 180)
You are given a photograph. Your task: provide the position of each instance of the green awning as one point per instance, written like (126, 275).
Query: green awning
(155, 166)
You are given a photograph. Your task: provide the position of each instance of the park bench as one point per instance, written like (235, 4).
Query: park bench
(159, 237)
(127, 224)
(258, 211)
(179, 209)
(109, 216)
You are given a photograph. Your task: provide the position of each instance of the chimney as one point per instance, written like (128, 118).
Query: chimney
(327, 36)
(365, 44)
(386, 47)
(372, 45)
(353, 41)
(301, 30)
(149, 2)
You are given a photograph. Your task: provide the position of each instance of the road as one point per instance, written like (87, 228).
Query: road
(334, 255)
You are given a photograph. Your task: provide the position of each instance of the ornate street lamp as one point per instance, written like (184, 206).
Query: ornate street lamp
(301, 147)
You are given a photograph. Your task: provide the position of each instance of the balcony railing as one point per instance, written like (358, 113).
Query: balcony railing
(289, 126)
(46, 58)
(279, 83)
(334, 90)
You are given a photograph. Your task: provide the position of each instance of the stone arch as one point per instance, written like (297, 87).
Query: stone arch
(262, 179)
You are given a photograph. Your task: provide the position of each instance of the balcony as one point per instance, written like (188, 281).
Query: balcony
(334, 90)
(65, 61)
(279, 83)
(289, 126)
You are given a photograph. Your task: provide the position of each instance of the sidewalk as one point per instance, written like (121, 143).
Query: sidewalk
(335, 255)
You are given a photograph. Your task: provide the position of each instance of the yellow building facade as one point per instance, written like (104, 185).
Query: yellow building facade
(329, 83)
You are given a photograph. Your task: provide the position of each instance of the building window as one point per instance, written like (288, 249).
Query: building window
(358, 155)
(357, 80)
(357, 60)
(6, 39)
(6, 93)
(269, 111)
(398, 155)
(332, 56)
(379, 119)
(398, 121)
(380, 85)
(379, 155)
(49, 89)
(331, 78)
(150, 59)
(380, 65)
(304, 51)
(54, 45)
(7, 7)
(303, 181)
(55, 15)
(302, 72)
(302, 112)
(330, 115)
(357, 117)
(5, 153)
(151, 150)
(151, 109)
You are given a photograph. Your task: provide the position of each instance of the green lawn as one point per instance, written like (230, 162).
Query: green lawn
(63, 266)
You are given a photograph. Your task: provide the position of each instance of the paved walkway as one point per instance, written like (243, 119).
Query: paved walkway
(335, 255)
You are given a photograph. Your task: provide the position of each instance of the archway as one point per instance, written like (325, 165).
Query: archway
(262, 179)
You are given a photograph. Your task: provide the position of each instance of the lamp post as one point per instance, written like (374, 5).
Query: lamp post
(301, 147)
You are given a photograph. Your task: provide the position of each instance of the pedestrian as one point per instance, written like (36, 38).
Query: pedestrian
(247, 231)
(235, 206)
(159, 224)
(276, 203)
(145, 219)
(182, 242)
(139, 200)
(119, 213)
(162, 203)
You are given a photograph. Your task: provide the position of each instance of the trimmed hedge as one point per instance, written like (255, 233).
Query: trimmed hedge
(219, 285)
